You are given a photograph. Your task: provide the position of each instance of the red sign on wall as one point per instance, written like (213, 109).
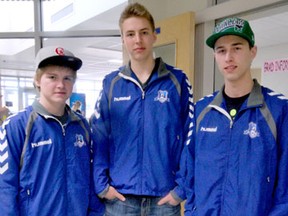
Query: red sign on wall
(280, 65)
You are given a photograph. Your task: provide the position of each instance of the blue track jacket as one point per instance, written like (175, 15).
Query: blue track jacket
(45, 166)
(139, 134)
(239, 167)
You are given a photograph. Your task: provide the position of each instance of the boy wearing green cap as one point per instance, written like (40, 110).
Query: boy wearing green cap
(238, 160)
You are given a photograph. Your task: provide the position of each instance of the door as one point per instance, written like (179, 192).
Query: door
(175, 40)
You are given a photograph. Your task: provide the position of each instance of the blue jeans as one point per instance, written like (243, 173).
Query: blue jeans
(140, 206)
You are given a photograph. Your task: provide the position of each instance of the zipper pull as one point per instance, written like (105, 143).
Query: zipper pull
(64, 129)
(231, 124)
(143, 94)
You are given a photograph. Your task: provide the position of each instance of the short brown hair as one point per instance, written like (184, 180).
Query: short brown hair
(136, 10)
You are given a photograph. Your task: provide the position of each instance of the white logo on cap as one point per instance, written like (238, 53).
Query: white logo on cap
(238, 25)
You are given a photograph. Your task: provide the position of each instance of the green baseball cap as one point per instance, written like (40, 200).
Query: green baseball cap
(232, 26)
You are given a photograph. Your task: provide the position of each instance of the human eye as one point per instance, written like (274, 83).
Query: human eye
(52, 77)
(129, 34)
(69, 79)
(238, 48)
(220, 51)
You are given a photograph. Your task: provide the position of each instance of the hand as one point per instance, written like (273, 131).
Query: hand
(168, 199)
(113, 193)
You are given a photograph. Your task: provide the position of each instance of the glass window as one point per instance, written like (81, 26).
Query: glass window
(100, 55)
(18, 16)
(17, 60)
(9, 93)
(91, 89)
(26, 82)
(17, 57)
(61, 15)
(28, 96)
(17, 93)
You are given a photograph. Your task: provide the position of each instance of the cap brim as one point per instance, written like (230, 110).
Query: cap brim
(213, 38)
(67, 61)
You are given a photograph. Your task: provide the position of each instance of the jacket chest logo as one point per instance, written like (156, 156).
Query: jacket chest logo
(162, 96)
(252, 130)
(79, 141)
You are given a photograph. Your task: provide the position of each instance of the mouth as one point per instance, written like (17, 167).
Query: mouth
(60, 93)
(139, 49)
(230, 68)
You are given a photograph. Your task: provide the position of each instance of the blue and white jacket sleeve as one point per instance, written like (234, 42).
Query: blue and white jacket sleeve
(100, 124)
(96, 206)
(189, 181)
(280, 200)
(11, 144)
(188, 118)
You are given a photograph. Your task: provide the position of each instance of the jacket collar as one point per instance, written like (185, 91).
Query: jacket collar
(37, 107)
(255, 98)
(161, 70)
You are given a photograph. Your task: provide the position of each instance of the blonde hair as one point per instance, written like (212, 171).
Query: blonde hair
(136, 10)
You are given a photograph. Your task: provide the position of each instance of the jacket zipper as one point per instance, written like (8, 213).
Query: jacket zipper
(224, 112)
(64, 134)
(135, 82)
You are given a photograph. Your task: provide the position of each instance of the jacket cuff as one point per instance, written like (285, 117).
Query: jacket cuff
(104, 192)
(177, 194)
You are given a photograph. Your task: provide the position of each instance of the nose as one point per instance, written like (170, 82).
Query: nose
(138, 37)
(228, 56)
(61, 83)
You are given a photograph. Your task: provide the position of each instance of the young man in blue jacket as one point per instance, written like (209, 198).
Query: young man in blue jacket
(238, 160)
(45, 149)
(140, 126)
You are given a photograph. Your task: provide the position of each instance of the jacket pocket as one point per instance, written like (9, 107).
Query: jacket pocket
(24, 201)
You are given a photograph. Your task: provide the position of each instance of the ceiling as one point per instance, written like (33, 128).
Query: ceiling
(101, 55)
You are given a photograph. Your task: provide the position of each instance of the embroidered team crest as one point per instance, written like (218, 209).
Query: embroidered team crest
(252, 130)
(79, 141)
(162, 96)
